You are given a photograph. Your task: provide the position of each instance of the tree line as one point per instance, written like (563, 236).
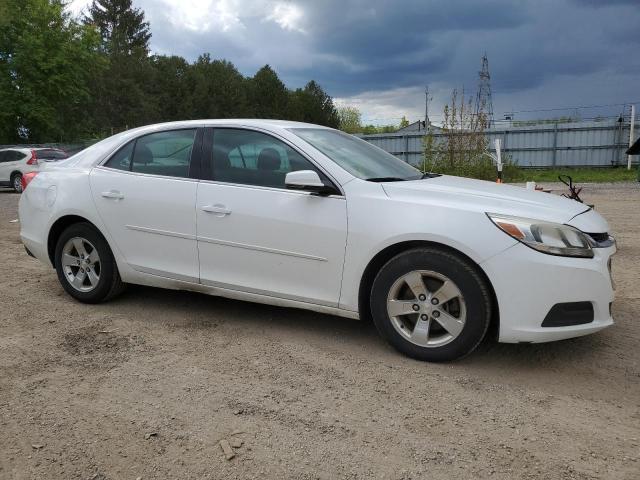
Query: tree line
(65, 79)
(350, 121)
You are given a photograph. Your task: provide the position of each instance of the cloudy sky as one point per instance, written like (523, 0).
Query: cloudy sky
(378, 55)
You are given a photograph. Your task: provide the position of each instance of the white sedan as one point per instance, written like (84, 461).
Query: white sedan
(304, 216)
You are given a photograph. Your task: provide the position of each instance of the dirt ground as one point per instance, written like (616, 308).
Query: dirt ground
(147, 385)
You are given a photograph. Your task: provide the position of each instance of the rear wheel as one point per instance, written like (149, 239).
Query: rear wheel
(16, 182)
(85, 265)
(431, 304)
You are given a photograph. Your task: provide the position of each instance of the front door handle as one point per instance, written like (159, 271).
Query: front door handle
(113, 194)
(218, 209)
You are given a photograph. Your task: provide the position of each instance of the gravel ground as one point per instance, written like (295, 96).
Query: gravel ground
(147, 386)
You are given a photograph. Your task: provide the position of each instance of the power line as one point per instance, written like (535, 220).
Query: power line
(554, 109)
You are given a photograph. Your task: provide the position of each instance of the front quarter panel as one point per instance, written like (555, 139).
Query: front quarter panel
(376, 222)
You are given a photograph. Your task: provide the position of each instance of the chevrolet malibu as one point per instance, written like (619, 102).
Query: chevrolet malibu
(299, 215)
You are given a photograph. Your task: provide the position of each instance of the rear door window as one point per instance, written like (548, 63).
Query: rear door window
(162, 153)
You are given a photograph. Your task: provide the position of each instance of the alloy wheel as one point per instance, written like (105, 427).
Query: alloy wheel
(427, 308)
(81, 264)
(17, 183)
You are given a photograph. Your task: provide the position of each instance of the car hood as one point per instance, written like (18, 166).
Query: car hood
(489, 197)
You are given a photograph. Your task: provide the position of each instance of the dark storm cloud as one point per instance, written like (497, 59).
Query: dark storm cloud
(604, 3)
(422, 42)
(350, 47)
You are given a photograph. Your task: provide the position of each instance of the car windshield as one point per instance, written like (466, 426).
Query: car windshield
(358, 157)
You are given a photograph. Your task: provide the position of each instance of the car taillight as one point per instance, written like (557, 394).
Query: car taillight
(34, 158)
(26, 179)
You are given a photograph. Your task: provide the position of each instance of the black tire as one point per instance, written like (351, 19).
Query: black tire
(474, 291)
(109, 284)
(17, 186)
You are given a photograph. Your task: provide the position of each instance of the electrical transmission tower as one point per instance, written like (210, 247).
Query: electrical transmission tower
(484, 103)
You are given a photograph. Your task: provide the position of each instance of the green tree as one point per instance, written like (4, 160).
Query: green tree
(121, 92)
(62, 79)
(350, 119)
(373, 129)
(269, 96)
(169, 87)
(219, 90)
(122, 28)
(312, 104)
(404, 122)
(46, 62)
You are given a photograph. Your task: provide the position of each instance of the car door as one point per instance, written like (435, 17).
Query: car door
(146, 194)
(256, 236)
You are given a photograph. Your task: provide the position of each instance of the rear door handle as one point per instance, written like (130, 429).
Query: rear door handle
(218, 209)
(113, 194)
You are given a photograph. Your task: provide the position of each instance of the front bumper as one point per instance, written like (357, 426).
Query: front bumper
(528, 284)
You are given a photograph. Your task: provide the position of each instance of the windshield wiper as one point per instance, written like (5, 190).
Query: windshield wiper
(385, 179)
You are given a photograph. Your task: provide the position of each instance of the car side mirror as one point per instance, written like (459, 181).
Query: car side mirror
(307, 180)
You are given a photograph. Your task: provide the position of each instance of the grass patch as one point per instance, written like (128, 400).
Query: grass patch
(579, 175)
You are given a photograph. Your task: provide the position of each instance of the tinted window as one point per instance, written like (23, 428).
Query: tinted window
(51, 154)
(3, 156)
(13, 156)
(162, 153)
(121, 160)
(254, 158)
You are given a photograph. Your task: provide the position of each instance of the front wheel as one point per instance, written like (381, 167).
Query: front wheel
(431, 304)
(85, 265)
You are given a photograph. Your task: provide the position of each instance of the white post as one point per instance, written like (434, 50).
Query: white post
(499, 160)
(631, 139)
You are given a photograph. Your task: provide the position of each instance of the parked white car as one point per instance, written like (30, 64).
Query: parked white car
(16, 162)
(299, 215)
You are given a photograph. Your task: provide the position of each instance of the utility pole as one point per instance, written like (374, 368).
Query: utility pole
(426, 108)
(631, 135)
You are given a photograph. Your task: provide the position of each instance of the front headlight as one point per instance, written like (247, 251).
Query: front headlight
(546, 237)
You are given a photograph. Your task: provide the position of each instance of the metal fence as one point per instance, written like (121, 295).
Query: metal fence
(580, 144)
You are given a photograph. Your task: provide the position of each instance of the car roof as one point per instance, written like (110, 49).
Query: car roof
(89, 155)
(244, 122)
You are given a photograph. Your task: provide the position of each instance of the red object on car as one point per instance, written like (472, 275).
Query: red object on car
(34, 159)
(26, 179)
